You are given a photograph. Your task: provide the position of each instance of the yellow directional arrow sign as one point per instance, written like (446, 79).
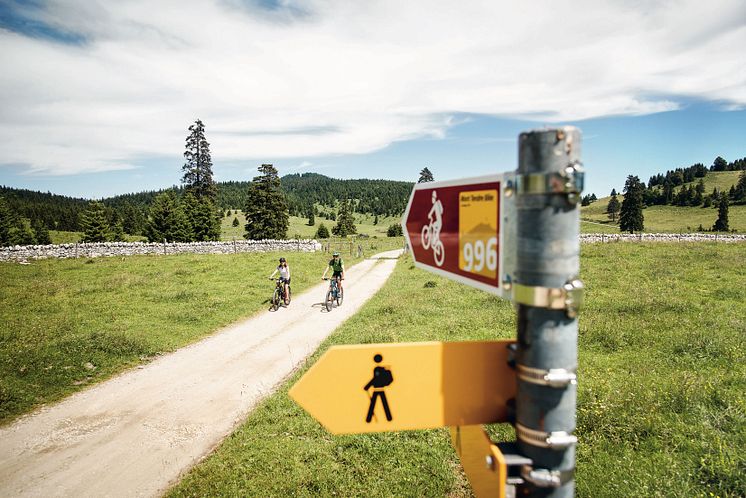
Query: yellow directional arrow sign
(402, 386)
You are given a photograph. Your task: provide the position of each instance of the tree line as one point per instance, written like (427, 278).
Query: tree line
(660, 191)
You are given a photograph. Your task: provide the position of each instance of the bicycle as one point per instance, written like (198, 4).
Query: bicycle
(429, 239)
(334, 294)
(278, 297)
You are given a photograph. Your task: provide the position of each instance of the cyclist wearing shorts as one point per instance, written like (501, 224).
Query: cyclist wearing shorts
(284, 270)
(338, 269)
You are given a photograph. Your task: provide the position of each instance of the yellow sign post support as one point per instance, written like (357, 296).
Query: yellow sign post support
(482, 461)
(404, 386)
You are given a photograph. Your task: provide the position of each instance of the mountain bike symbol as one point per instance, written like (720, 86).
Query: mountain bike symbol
(430, 235)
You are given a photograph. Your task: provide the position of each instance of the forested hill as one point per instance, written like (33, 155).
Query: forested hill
(382, 197)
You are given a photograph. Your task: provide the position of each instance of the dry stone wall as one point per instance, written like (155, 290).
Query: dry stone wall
(95, 250)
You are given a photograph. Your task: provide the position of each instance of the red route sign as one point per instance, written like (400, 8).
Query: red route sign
(454, 228)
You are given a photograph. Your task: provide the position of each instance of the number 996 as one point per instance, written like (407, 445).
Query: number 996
(477, 255)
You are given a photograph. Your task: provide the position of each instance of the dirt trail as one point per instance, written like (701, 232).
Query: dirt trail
(134, 435)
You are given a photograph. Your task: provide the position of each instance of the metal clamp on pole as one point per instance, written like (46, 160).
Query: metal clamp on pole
(554, 440)
(543, 478)
(568, 298)
(570, 182)
(554, 377)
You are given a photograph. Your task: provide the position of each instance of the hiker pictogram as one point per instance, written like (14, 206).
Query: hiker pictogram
(382, 377)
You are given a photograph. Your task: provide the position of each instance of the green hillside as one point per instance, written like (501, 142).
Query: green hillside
(675, 219)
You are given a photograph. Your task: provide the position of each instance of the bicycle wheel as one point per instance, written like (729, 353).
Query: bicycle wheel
(276, 300)
(329, 301)
(290, 295)
(340, 296)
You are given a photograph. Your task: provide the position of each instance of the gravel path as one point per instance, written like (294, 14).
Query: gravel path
(134, 435)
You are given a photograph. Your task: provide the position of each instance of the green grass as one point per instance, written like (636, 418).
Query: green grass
(58, 315)
(661, 409)
(672, 219)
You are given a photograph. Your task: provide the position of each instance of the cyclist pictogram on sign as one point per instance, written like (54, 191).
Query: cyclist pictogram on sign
(431, 233)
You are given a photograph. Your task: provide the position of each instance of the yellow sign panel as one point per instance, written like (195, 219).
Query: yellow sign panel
(403, 386)
(477, 232)
(482, 461)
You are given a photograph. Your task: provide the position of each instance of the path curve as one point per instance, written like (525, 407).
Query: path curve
(137, 433)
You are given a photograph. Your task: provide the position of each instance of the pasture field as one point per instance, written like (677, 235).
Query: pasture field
(671, 219)
(662, 387)
(69, 323)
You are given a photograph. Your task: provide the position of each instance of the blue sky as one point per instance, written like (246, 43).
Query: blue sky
(96, 98)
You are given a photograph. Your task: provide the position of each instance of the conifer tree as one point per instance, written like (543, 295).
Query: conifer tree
(311, 218)
(375, 220)
(322, 232)
(197, 169)
(95, 224)
(235, 222)
(613, 192)
(7, 222)
(425, 176)
(41, 233)
(631, 218)
(117, 233)
(167, 220)
(345, 221)
(266, 208)
(613, 208)
(721, 224)
(203, 218)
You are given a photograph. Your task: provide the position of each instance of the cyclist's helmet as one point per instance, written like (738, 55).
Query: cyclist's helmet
(282, 260)
(336, 254)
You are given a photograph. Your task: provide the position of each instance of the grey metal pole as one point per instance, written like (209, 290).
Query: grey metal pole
(549, 182)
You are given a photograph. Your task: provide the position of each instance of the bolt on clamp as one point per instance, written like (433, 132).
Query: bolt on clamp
(569, 297)
(543, 478)
(570, 182)
(555, 440)
(554, 377)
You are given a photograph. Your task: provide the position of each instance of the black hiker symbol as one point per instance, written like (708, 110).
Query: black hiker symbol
(382, 377)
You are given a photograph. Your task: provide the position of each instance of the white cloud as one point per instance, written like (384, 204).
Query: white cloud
(343, 77)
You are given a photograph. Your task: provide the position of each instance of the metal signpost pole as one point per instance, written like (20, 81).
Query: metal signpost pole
(547, 294)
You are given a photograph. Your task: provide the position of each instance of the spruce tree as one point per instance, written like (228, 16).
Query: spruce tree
(235, 222)
(7, 222)
(425, 176)
(203, 217)
(266, 208)
(311, 218)
(740, 189)
(721, 224)
(322, 232)
(375, 221)
(167, 220)
(95, 224)
(631, 218)
(117, 234)
(613, 208)
(197, 169)
(345, 221)
(41, 233)
(613, 192)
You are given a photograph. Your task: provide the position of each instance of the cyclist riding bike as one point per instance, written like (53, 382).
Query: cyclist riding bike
(284, 270)
(338, 269)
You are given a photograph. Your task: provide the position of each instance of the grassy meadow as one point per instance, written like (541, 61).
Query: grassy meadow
(662, 387)
(70, 323)
(671, 219)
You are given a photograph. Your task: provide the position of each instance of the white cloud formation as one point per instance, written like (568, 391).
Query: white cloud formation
(345, 77)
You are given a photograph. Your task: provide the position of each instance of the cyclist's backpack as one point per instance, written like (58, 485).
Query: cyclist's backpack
(386, 377)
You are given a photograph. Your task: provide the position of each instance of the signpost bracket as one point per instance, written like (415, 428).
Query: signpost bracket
(569, 181)
(568, 297)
